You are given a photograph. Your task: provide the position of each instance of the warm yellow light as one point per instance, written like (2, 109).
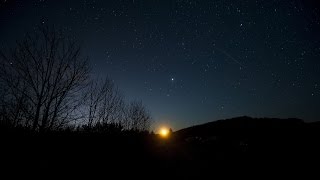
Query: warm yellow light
(164, 132)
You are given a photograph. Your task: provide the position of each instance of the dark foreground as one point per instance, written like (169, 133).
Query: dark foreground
(241, 148)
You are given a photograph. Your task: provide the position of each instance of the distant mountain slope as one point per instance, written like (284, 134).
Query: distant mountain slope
(245, 140)
(241, 125)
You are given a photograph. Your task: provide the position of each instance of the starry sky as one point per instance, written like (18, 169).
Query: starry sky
(192, 61)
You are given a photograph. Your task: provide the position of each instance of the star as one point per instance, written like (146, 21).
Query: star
(195, 58)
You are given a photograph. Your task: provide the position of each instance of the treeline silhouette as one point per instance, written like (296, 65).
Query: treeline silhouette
(241, 145)
(56, 117)
(46, 85)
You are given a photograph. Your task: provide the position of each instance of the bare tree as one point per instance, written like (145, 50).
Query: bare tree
(138, 118)
(42, 77)
(105, 107)
(104, 103)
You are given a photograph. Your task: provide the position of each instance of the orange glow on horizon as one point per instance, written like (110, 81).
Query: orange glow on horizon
(164, 132)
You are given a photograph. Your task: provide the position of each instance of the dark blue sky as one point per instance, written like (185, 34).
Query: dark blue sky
(192, 61)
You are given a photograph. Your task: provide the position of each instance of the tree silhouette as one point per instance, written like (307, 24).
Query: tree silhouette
(104, 108)
(138, 118)
(45, 85)
(42, 78)
(104, 103)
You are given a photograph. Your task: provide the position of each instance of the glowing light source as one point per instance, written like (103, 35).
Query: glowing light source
(164, 132)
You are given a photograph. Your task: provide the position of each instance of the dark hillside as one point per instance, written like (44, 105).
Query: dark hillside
(241, 144)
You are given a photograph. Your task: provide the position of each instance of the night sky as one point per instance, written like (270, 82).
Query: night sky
(192, 62)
